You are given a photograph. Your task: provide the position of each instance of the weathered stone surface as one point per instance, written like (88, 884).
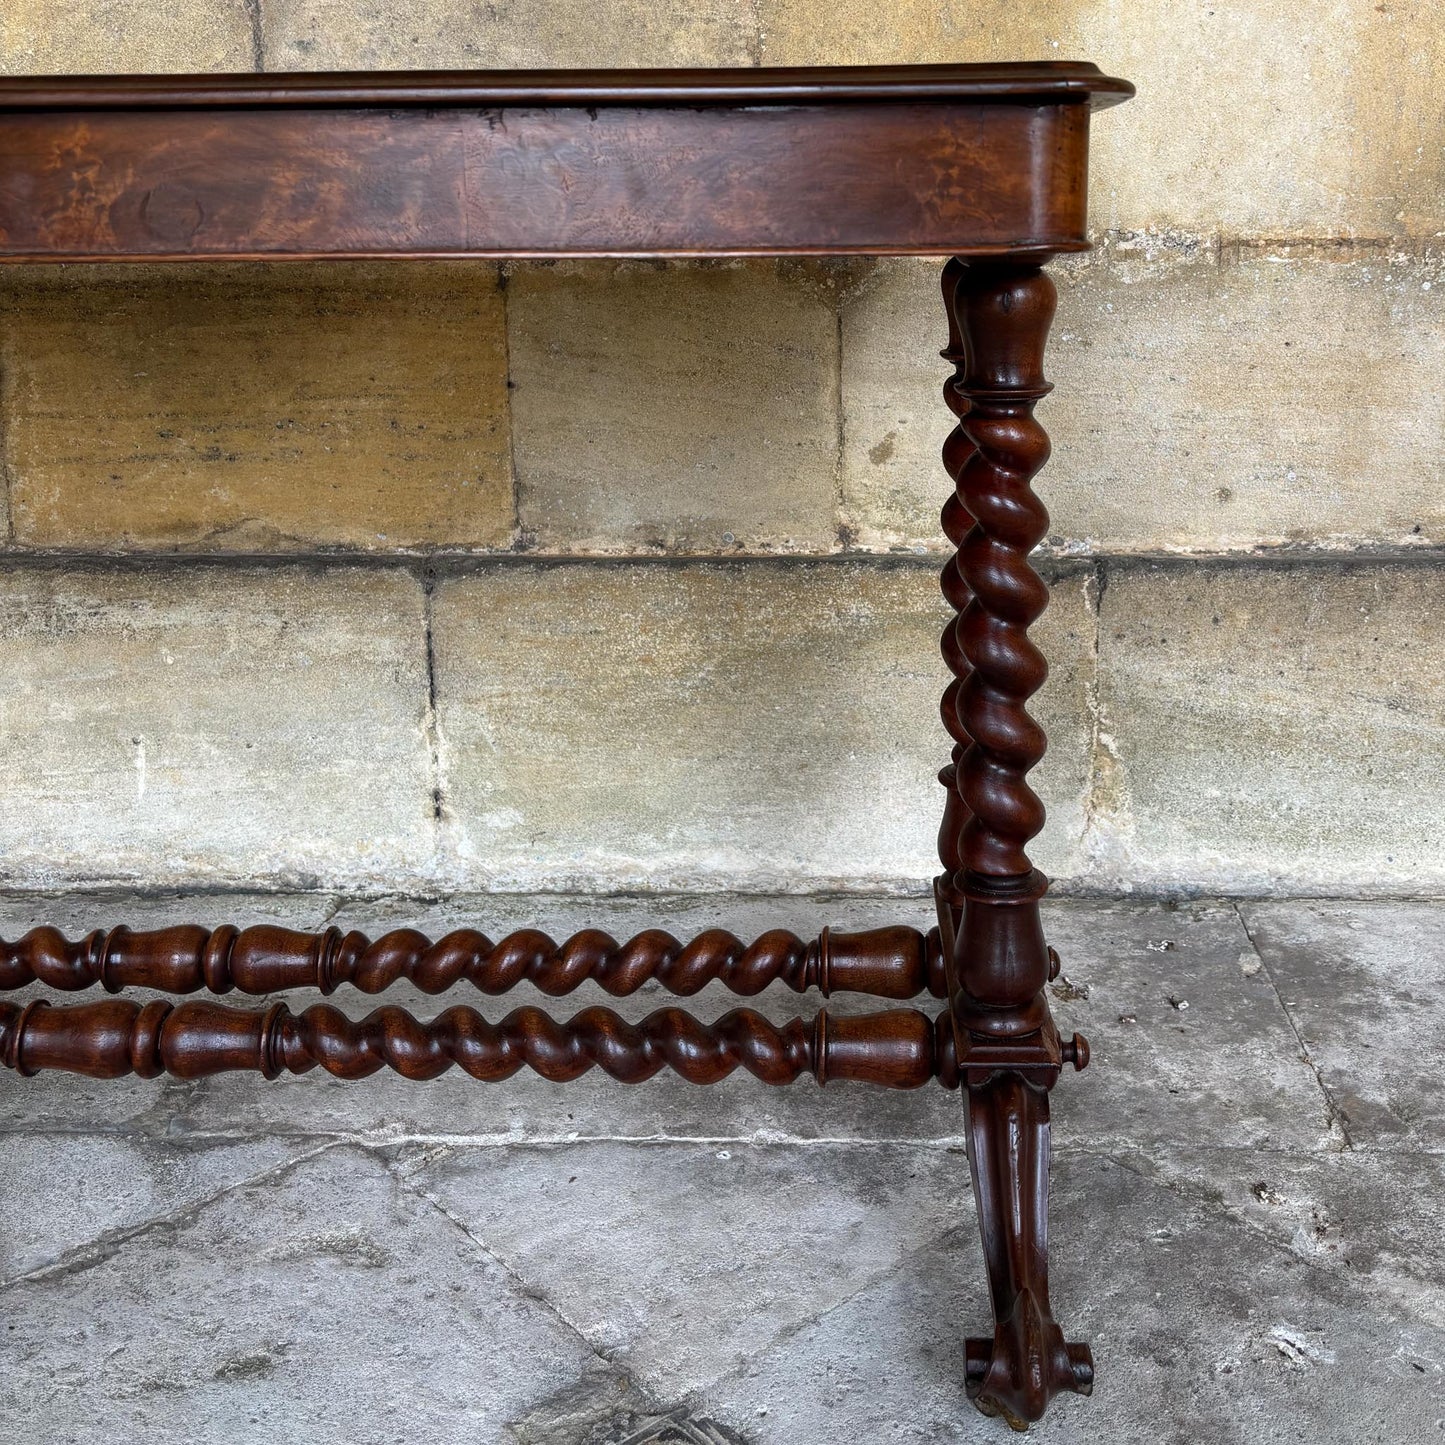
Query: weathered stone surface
(65, 1191)
(358, 34)
(1369, 1215)
(213, 726)
(89, 37)
(833, 1246)
(325, 1302)
(751, 726)
(258, 409)
(1202, 1331)
(1175, 996)
(764, 1239)
(1269, 729)
(675, 408)
(1186, 413)
(1365, 986)
(1362, 153)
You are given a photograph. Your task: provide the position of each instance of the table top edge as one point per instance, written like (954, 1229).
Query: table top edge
(1041, 82)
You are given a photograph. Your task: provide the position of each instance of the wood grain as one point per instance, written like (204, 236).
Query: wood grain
(900, 1049)
(895, 962)
(848, 178)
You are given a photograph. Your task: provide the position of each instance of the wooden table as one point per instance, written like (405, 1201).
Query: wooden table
(982, 164)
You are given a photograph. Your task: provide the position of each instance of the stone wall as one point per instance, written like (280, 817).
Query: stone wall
(622, 577)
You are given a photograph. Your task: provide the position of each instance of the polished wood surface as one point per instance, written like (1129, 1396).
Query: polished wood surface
(1008, 1050)
(982, 164)
(925, 160)
(900, 1049)
(893, 962)
(1037, 82)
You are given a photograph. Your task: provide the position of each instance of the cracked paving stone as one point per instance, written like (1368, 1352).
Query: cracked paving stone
(62, 1192)
(1372, 1215)
(1223, 1071)
(326, 1305)
(721, 1248)
(1203, 1332)
(1365, 986)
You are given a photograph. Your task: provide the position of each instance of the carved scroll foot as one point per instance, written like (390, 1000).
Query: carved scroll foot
(1027, 1362)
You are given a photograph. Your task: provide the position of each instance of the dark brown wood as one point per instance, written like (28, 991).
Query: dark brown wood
(1043, 82)
(984, 164)
(901, 1049)
(1009, 1052)
(933, 161)
(896, 962)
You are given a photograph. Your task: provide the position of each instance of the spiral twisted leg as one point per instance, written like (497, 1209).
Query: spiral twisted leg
(957, 522)
(997, 962)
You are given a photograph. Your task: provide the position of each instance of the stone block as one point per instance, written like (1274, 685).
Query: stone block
(755, 727)
(205, 726)
(460, 35)
(1270, 730)
(688, 409)
(1188, 413)
(94, 37)
(252, 410)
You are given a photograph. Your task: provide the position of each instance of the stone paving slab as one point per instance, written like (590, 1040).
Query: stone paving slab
(1371, 1216)
(324, 1304)
(569, 1267)
(1203, 1333)
(724, 1249)
(62, 1192)
(1365, 986)
(1188, 1037)
(538, 1291)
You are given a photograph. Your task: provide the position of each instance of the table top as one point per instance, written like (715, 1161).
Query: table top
(970, 160)
(1022, 81)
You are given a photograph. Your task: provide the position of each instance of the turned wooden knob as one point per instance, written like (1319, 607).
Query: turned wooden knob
(1076, 1052)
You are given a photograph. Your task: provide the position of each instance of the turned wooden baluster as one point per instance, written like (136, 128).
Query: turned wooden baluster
(893, 962)
(900, 1049)
(1009, 1052)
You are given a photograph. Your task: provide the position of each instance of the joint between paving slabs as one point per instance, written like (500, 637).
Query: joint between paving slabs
(1333, 1114)
(81, 1257)
(401, 1176)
